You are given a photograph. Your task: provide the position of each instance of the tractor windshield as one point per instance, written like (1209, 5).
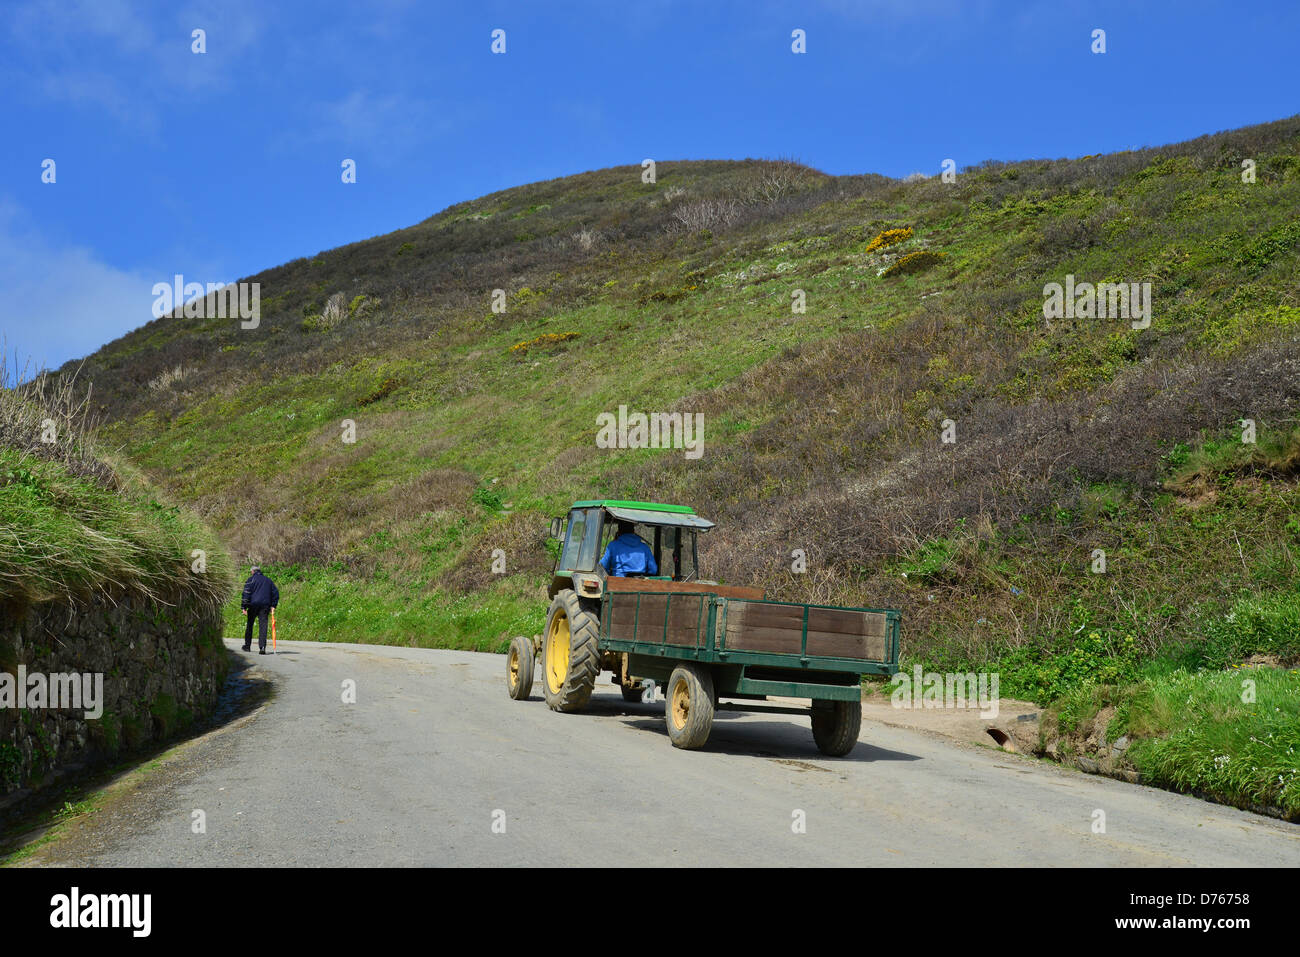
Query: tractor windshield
(580, 543)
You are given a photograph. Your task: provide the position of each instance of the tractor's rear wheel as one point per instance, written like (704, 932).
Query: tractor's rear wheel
(688, 706)
(519, 668)
(570, 657)
(835, 726)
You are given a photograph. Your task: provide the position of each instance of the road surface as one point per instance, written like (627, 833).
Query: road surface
(434, 765)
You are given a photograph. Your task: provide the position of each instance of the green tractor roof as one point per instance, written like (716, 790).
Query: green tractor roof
(645, 506)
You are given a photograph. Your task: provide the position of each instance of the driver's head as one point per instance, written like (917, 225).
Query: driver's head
(626, 528)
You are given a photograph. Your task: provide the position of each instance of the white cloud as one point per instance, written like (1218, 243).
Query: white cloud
(62, 302)
(141, 54)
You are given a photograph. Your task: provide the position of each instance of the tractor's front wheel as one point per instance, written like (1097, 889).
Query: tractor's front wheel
(688, 706)
(519, 668)
(835, 726)
(570, 656)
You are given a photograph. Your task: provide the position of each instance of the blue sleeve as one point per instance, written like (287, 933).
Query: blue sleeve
(275, 595)
(604, 559)
(650, 561)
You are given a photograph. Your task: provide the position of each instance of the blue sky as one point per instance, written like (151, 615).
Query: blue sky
(221, 164)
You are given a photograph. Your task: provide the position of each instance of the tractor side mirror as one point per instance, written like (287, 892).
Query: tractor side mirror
(557, 528)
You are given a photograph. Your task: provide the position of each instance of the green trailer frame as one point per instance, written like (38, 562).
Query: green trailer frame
(739, 672)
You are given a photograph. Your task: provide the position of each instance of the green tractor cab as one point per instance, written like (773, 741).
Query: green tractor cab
(669, 530)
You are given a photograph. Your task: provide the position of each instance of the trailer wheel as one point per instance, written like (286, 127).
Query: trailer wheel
(835, 726)
(519, 668)
(570, 656)
(688, 709)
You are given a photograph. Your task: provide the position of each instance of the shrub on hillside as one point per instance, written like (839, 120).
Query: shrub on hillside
(335, 310)
(890, 237)
(773, 181)
(545, 339)
(707, 214)
(49, 417)
(912, 263)
(166, 378)
(1068, 234)
(1263, 250)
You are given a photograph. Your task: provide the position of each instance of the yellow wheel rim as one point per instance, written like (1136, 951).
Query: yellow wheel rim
(680, 706)
(514, 667)
(557, 652)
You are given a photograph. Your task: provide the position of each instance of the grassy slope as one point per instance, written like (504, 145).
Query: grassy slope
(821, 429)
(66, 535)
(73, 525)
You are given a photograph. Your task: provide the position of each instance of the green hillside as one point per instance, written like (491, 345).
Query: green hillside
(822, 429)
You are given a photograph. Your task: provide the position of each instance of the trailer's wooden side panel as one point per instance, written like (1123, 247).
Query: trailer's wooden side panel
(832, 632)
(757, 626)
(685, 621)
(641, 618)
(840, 633)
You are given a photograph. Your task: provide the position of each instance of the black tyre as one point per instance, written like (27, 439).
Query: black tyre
(835, 726)
(688, 706)
(570, 656)
(520, 668)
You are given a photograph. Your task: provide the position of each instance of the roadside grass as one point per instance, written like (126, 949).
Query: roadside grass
(53, 823)
(1232, 735)
(1218, 715)
(72, 536)
(326, 603)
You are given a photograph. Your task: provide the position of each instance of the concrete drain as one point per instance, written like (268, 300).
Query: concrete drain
(1002, 738)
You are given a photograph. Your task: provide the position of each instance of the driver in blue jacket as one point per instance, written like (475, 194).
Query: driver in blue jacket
(628, 554)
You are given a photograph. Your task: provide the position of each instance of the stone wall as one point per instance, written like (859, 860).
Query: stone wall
(163, 668)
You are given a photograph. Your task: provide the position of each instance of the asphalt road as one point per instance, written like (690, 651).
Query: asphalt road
(434, 758)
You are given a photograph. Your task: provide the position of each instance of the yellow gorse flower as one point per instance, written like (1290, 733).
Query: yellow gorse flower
(545, 339)
(890, 237)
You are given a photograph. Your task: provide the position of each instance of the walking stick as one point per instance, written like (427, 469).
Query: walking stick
(272, 631)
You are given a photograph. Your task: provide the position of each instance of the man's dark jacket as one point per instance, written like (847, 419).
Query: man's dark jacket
(259, 592)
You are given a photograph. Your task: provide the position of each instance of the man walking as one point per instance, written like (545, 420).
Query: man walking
(260, 596)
